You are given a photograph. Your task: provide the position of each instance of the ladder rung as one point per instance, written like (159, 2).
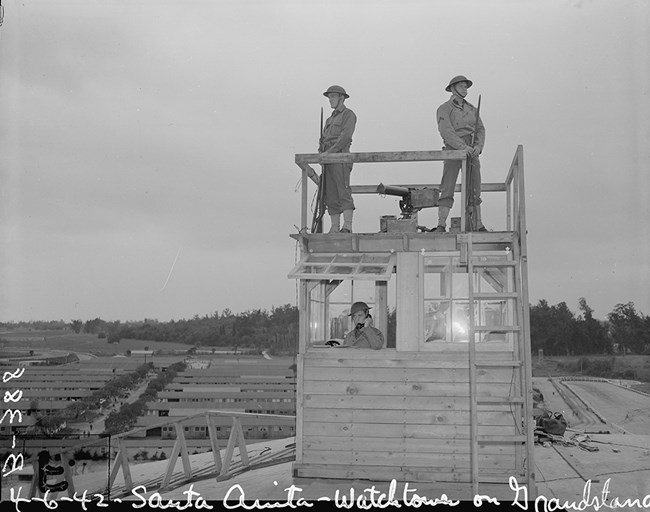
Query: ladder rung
(502, 295)
(497, 328)
(501, 439)
(501, 400)
(497, 364)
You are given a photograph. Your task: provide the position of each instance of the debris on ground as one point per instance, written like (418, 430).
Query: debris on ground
(550, 429)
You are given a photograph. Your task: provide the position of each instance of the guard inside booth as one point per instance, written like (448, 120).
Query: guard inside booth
(425, 295)
(363, 334)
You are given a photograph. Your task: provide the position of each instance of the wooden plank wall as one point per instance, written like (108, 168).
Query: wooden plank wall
(404, 415)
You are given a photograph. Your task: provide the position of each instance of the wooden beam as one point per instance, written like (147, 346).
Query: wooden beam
(236, 436)
(214, 442)
(382, 156)
(185, 457)
(173, 458)
(408, 309)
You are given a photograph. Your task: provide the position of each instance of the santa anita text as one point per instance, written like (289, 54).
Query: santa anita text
(370, 498)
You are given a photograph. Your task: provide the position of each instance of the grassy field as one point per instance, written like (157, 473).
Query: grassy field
(632, 367)
(68, 340)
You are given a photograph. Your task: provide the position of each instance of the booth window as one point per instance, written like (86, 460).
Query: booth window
(446, 300)
(334, 282)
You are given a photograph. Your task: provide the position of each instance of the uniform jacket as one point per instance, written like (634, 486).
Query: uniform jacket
(456, 123)
(368, 337)
(338, 130)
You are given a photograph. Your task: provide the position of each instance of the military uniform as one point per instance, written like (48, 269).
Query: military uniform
(457, 121)
(337, 138)
(366, 337)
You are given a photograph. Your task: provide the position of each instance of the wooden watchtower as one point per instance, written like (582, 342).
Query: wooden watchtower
(450, 402)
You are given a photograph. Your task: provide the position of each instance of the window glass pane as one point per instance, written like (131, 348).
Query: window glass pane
(316, 311)
(339, 320)
(459, 321)
(459, 285)
(360, 265)
(436, 319)
(363, 291)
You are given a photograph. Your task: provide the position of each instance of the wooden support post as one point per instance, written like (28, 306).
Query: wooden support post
(122, 460)
(300, 403)
(34, 485)
(180, 448)
(230, 449)
(185, 456)
(67, 473)
(214, 442)
(381, 308)
(463, 196)
(243, 452)
(305, 200)
(473, 406)
(408, 286)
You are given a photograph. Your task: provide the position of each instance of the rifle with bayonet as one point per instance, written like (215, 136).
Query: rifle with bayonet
(469, 207)
(319, 209)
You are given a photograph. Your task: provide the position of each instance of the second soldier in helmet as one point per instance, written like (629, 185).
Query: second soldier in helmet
(457, 120)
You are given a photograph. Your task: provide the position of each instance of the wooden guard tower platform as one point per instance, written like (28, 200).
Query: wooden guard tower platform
(449, 399)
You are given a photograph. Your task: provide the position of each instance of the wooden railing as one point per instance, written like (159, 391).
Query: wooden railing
(221, 468)
(513, 185)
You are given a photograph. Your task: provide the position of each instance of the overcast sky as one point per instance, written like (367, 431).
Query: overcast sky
(147, 147)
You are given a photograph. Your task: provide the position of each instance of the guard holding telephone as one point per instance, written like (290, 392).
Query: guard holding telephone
(364, 334)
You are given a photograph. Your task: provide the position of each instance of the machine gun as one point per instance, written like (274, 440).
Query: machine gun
(413, 199)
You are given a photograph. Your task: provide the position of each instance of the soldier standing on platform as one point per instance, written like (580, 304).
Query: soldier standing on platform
(457, 120)
(337, 138)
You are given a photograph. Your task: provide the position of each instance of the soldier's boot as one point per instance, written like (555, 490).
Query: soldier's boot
(347, 221)
(336, 221)
(478, 223)
(443, 213)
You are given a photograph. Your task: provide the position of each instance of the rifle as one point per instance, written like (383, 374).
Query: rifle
(319, 210)
(469, 207)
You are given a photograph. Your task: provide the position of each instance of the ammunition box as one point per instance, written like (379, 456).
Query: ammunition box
(424, 197)
(402, 225)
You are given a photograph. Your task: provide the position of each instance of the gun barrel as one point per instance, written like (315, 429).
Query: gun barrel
(392, 190)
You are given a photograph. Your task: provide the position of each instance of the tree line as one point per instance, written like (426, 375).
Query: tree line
(558, 331)
(554, 328)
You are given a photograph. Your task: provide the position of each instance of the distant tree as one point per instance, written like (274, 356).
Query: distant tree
(552, 328)
(114, 337)
(629, 328)
(94, 326)
(76, 326)
(592, 337)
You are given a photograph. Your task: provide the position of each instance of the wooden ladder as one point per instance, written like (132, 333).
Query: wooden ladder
(520, 394)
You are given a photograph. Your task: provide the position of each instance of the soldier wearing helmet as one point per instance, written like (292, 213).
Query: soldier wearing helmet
(337, 138)
(456, 122)
(363, 334)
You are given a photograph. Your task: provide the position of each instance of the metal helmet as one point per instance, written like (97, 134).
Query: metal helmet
(336, 88)
(456, 79)
(358, 306)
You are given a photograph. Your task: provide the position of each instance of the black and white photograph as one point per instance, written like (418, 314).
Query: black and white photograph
(341, 253)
